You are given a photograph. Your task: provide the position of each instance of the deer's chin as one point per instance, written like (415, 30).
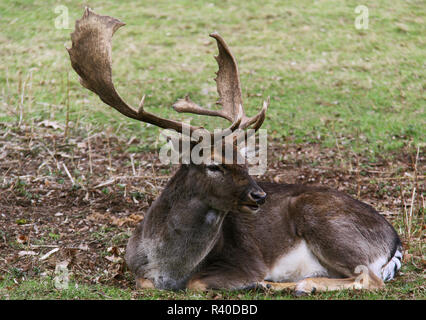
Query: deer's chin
(249, 208)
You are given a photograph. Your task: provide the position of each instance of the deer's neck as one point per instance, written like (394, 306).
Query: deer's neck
(185, 227)
(182, 208)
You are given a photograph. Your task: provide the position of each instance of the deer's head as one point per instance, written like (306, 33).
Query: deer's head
(226, 185)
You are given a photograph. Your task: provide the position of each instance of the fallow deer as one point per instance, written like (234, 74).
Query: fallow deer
(214, 226)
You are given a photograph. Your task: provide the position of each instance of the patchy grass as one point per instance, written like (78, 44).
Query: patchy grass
(84, 220)
(407, 286)
(347, 111)
(327, 80)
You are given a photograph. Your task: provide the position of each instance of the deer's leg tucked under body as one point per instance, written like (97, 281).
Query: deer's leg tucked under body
(366, 280)
(310, 285)
(224, 274)
(222, 280)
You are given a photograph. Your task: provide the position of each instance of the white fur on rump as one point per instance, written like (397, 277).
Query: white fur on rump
(389, 270)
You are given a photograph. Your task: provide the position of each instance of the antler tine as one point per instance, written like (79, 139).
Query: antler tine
(229, 89)
(258, 119)
(257, 122)
(90, 56)
(188, 106)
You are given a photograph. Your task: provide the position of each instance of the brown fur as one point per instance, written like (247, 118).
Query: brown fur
(342, 232)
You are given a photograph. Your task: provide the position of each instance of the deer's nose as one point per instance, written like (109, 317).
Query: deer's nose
(258, 196)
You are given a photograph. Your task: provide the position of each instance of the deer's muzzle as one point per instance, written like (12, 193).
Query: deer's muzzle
(255, 199)
(258, 196)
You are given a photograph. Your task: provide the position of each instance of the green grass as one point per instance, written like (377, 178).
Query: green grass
(44, 288)
(327, 80)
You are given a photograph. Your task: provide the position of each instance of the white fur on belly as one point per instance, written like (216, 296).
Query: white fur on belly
(297, 264)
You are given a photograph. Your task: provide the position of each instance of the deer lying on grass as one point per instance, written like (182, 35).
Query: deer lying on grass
(213, 226)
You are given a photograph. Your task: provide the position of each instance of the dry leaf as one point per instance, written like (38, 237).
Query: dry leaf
(21, 238)
(114, 259)
(136, 218)
(82, 145)
(97, 217)
(407, 257)
(83, 247)
(63, 264)
(50, 124)
(131, 220)
(27, 253)
(114, 250)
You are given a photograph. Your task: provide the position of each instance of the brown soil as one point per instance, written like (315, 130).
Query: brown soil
(90, 213)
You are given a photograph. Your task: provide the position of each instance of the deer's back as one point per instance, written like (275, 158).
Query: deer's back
(332, 224)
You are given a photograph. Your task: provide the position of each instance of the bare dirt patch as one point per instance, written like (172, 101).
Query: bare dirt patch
(76, 201)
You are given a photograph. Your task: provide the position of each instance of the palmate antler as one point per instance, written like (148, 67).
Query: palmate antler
(90, 56)
(229, 89)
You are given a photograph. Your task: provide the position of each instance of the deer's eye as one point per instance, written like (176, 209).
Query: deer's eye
(214, 168)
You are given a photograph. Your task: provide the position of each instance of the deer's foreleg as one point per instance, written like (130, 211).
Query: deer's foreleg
(224, 279)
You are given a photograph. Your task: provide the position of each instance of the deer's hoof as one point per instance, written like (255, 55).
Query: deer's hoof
(304, 287)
